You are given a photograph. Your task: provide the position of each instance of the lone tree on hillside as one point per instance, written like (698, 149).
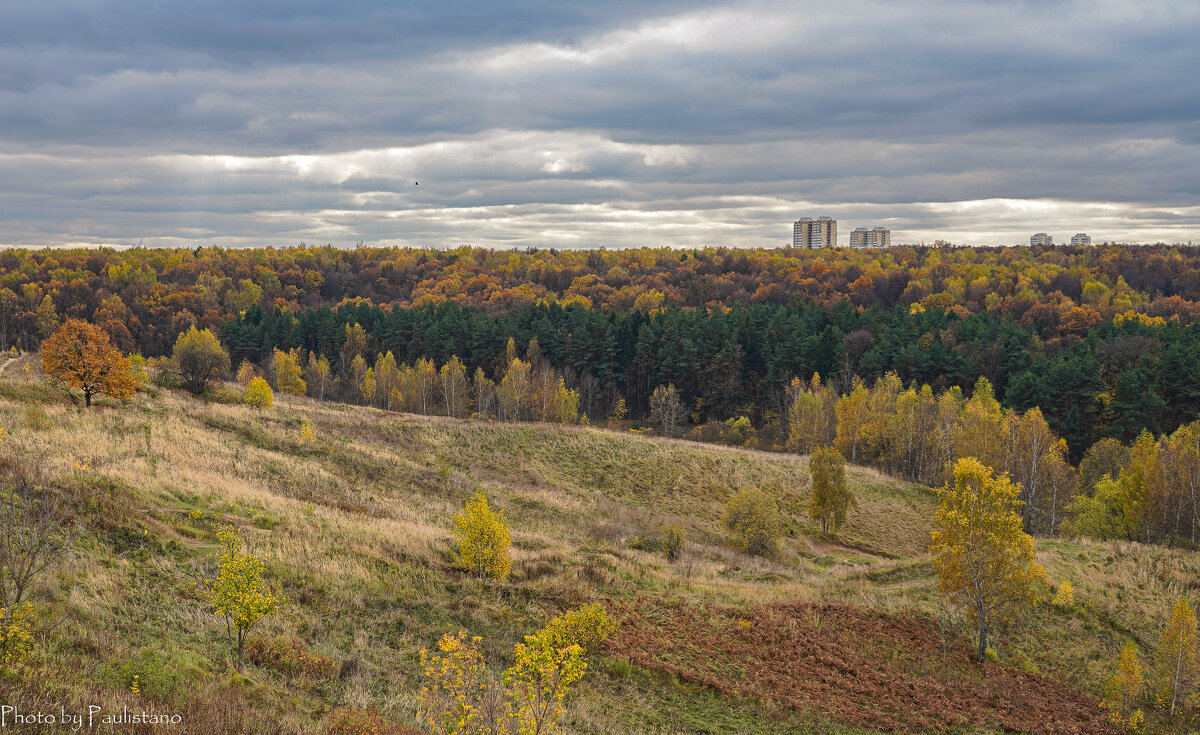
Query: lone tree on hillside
(983, 558)
(483, 539)
(199, 358)
(81, 356)
(666, 409)
(239, 594)
(831, 499)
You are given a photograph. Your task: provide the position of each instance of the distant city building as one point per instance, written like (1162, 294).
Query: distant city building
(1042, 238)
(814, 233)
(1081, 238)
(876, 237)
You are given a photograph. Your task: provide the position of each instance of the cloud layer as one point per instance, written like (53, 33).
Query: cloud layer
(596, 123)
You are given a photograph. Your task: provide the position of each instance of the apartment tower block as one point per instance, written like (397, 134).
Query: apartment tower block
(813, 234)
(876, 237)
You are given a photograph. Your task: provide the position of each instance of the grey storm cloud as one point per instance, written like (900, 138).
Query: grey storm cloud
(595, 123)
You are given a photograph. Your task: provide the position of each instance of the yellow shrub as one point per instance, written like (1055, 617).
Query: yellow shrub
(1065, 596)
(258, 394)
(483, 539)
(538, 682)
(462, 697)
(587, 627)
(14, 636)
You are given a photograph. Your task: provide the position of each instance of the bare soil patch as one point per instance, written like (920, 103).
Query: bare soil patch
(851, 665)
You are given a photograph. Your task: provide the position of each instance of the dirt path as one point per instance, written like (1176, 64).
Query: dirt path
(13, 361)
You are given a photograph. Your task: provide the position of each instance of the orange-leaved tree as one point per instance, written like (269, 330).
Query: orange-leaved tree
(81, 357)
(983, 558)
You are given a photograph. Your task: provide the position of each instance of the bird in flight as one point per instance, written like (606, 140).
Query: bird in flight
(416, 183)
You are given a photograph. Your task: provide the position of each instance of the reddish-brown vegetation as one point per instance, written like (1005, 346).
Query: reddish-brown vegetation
(851, 665)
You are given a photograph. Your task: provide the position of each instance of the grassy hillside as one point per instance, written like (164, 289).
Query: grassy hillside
(355, 526)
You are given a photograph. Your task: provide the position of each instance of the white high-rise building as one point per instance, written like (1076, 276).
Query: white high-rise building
(814, 233)
(1043, 239)
(1081, 238)
(876, 237)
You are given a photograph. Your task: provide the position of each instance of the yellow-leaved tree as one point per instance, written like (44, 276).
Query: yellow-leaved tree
(1123, 689)
(831, 499)
(1177, 664)
(983, 558)
(238, 593)
(538, 682)
(462, 697)
(288, 373)
(483, 539)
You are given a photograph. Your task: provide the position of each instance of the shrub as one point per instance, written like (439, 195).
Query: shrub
(483, 539)
(737, 431)
(289, 656)
(15, 635)
(258, 394)
(1065, 596)
(349, 721)
(753, 519)
(674, 539)
(587, 627)
(538, 682)
(461, 696)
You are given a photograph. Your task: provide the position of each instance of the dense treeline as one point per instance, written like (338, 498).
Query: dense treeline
(1147, 490)
(1059, 291)
(1102, 339)
(919, 434)
(1120, 377)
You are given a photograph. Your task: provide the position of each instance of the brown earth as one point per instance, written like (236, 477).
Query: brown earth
(851, 665)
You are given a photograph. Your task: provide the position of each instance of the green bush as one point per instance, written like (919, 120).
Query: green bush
(674, 539)
(753, 519)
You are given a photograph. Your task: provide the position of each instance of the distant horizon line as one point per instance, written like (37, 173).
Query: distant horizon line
(537, 248)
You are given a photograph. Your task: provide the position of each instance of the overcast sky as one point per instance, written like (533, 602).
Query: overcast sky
(572, 124)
